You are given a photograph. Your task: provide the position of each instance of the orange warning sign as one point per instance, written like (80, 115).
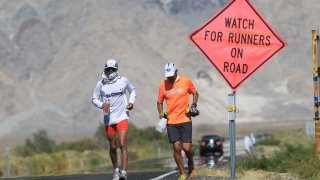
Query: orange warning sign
(237, 41)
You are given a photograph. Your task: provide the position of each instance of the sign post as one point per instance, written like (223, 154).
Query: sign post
(232, 126)
(315, 39)
(237, 41)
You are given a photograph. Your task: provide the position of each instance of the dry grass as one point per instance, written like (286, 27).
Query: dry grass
(263, 175)
(203, 171)
(66, 162)
(268, 150)
(245, 175)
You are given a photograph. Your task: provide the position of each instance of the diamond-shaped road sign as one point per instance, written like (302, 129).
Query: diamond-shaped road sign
(237, 41)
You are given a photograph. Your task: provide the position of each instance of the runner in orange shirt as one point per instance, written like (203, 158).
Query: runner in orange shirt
(175, 90)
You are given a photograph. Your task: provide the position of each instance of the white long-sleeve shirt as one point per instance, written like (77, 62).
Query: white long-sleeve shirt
(114, 92)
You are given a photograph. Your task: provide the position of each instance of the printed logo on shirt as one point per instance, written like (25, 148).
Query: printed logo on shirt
(119, 93)
(174, 91)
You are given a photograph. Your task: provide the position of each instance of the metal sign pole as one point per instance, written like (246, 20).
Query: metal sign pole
(232, 118)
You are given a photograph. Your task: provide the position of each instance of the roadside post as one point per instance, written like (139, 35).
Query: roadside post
(232, 124)
(310, 128)
(315, 61)
(6, 156)
(237, 41)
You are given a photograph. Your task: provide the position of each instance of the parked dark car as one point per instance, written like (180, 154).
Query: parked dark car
(211, 145)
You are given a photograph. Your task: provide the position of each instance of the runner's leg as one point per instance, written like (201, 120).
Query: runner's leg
(189, 153)
(123, 146)
(122, 129)
(112, 137)
(186, 137)
(113, 150)
(177, 147)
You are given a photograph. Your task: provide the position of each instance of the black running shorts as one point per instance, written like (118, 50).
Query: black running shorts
(180, 132)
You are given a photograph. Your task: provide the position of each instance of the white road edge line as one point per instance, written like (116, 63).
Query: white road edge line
(164, 175)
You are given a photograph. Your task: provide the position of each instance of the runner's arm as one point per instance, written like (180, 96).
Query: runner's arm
(132, 93)
(96, 100)
(160, 109)
(160, 101)
(194, 92)
(131, 89)
(195, 98)
(194, 102)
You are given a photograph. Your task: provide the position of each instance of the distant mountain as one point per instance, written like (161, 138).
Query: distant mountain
(52, 54)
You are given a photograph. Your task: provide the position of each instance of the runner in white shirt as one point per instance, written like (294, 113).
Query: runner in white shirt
(110, 96)
(247, 144)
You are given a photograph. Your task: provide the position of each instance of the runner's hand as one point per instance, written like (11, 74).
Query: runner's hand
(194, 111)
(161, 115)
(130, 106)
(105, 106)
(193, 108)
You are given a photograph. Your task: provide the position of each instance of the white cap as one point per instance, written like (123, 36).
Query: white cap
(111, 63)
(169, 69)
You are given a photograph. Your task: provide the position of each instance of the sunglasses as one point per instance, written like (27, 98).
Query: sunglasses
(110, 68)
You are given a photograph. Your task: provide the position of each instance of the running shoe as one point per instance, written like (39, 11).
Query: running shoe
(123, 175)
(116, 174)
(192, 174)
(183, 177)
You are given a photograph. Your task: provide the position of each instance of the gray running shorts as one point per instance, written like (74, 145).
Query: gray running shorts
(180, 132)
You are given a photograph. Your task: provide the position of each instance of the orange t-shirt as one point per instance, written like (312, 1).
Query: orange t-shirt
(177, 98)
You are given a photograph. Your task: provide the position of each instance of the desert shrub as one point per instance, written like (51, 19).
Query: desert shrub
(80, 146)
(269, 141)
(255, 162)
(40, 143)
(41, 164)
(145, 136)
(100, 136)
(93, 160)
(295, 159)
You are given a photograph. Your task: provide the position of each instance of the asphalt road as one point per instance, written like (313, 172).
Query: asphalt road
(212, 162)
(131, 176)
(173, 175)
